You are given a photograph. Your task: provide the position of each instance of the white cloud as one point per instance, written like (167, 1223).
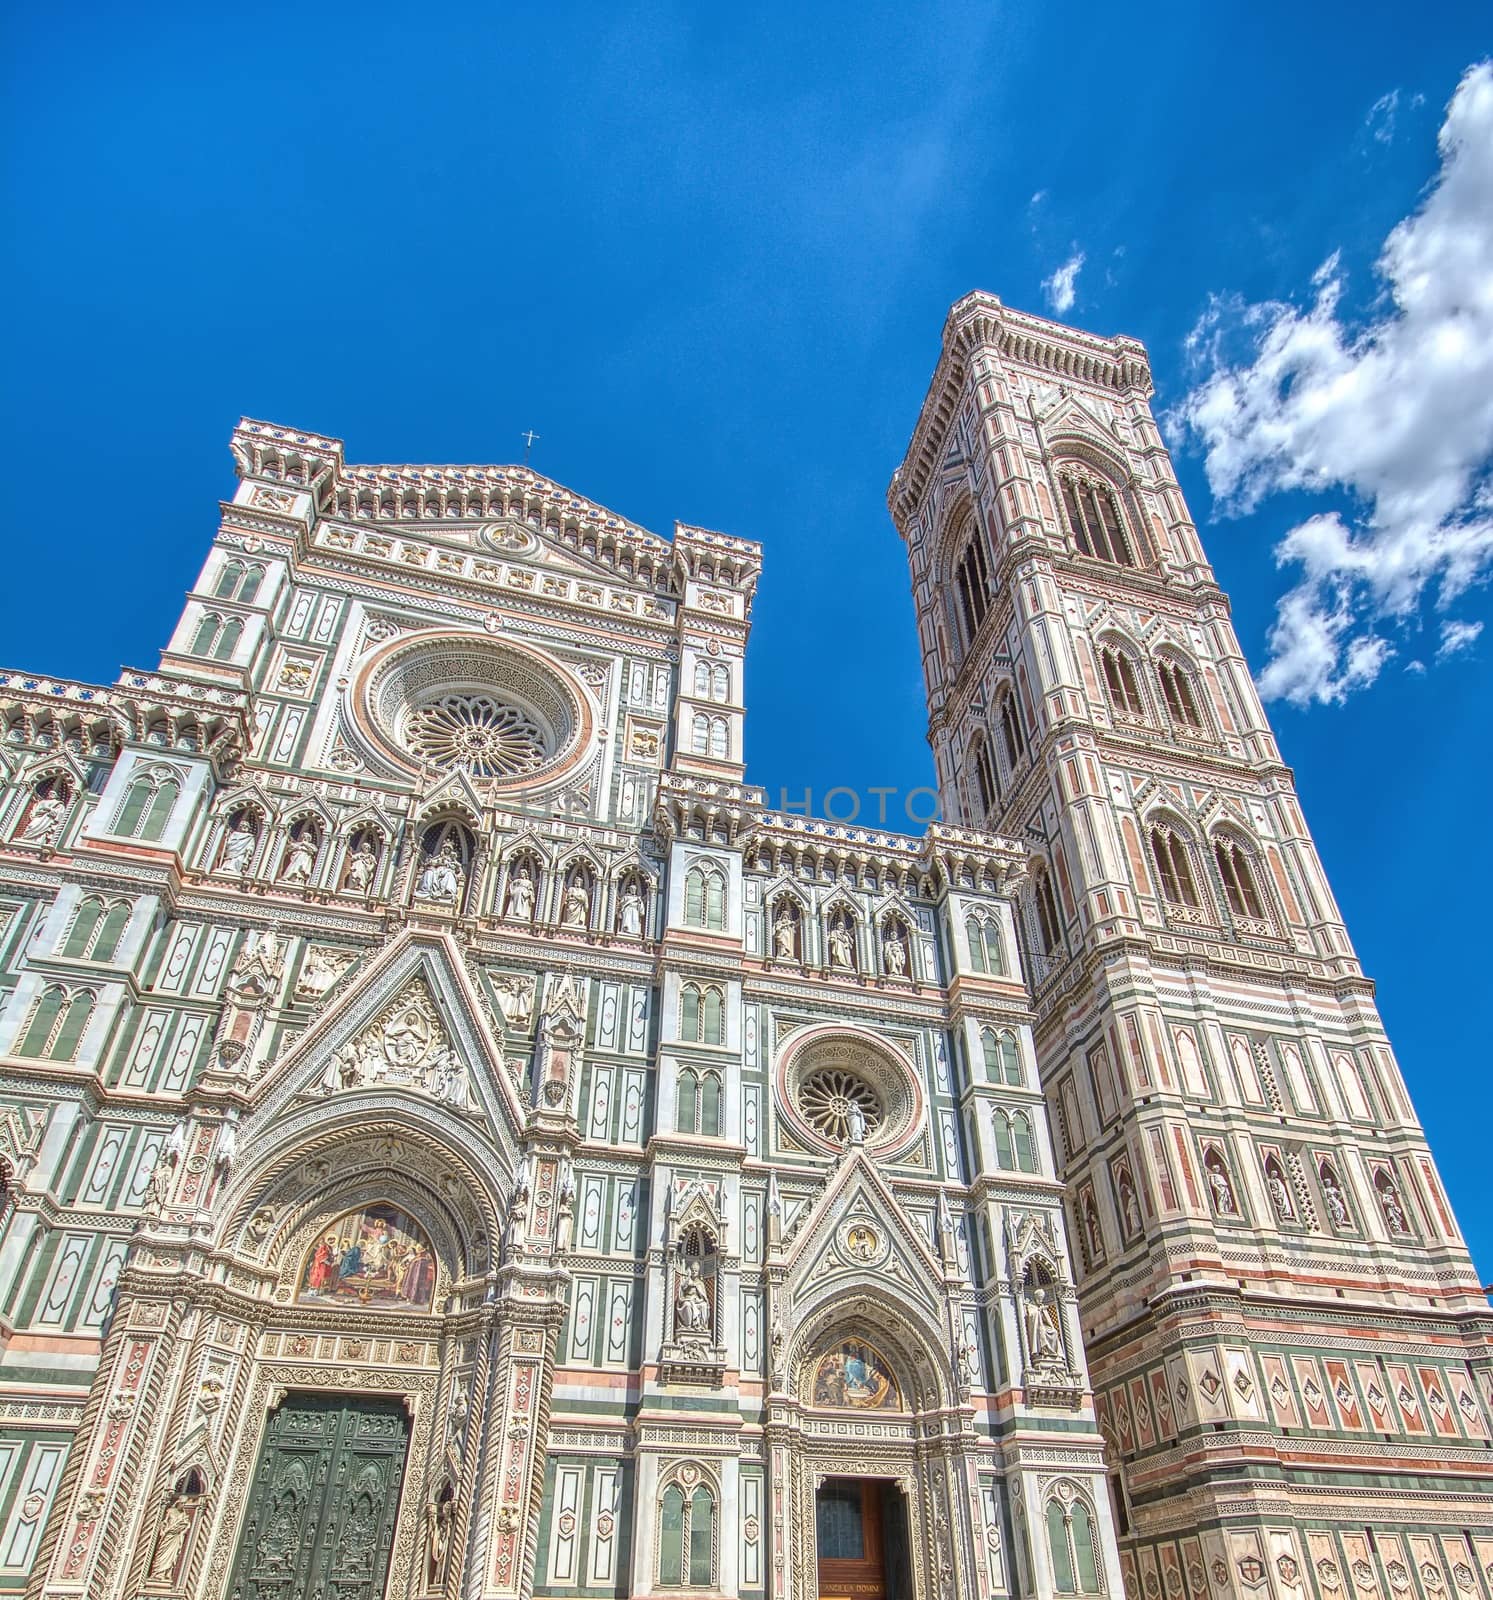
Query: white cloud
(1458, 636)
(1060, 287)
(1396, 412)
(1381, 118)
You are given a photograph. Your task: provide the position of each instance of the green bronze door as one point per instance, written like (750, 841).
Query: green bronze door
(320, 1520)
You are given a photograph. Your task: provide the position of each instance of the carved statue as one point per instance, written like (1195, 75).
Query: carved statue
(691, 1304)
(894, 952)
(1223, 1194)
(576, 910)
(176, 1523)
(361, 867)
(160, 1181)
(1280, 1196)
(631, 911)
(300, 859)
(520, 906)
(45, 821)
(1044, 1337)
(1096, 1236)
(565, 1216)
(449, 1079)
(439, 1515)
(1394, 1212)
(841, 947)
(238, 846)
(225, 1153)
(1129, 1206)
(785, 935)
(442, 877)
(855, 1123)
(1336, 1204)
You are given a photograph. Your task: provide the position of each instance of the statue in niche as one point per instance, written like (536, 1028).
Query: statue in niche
(894, 951)
(45, 821)
(520, 906)
(1044, 1336)
(1336, 1204)
(575, 912)
(176, 1524)
(238, 847)
(300, 858)
(1091, 1222)
(1394, 1212)
(785, 935)
(440, 1514)
(442, 877)
(1218, 1183)
(841, 946)
(631, 911)
(1280, 1195)
(361, 866)
(691, 1304)
(1129, 1205)
(565, 1216)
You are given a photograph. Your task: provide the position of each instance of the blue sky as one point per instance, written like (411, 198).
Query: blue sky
(706, 255)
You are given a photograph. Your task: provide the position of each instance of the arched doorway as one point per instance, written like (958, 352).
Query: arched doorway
(868, 1439)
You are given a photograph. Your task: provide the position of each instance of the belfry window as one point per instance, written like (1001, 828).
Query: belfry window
(1177, 691)
(1238, 877)
(985, 772)
(1047, 914)
(1012, 733)
(1095, 521)
(1173, 868)
(972, 583)
(1120, 681)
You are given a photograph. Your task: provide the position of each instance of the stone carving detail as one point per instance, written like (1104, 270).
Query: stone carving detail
(515, 999)
(407, 1047)
(48, 809)
(321, 972)
(442, 877)
(238, 847)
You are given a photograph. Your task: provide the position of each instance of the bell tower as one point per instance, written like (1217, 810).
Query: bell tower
(1288, 1345)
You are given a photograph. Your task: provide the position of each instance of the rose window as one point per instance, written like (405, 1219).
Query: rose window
(486, 736)
(501, 711)
(826, 1096)
(830, 1077)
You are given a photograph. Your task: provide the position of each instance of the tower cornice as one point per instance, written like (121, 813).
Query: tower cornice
(980, 322)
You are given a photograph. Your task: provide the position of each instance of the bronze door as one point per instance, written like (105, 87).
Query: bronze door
(320, 1519)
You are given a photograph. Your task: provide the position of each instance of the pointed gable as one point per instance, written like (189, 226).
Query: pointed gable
(411, 1022)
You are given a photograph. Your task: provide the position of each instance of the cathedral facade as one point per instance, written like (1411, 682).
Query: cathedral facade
(459, 1140)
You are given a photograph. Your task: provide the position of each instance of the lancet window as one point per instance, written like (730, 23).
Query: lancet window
(1173, 867)
(1180, 695)
(57, 1023)
(705, 896)
(1070, 1542)
(1237, 874)
(238, 581)
(148, 804)
(1121, 683)
(1095, 519)
(972, 584)
(96, 930)
(702, 1012)
(985, 951)
(686, 1537)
